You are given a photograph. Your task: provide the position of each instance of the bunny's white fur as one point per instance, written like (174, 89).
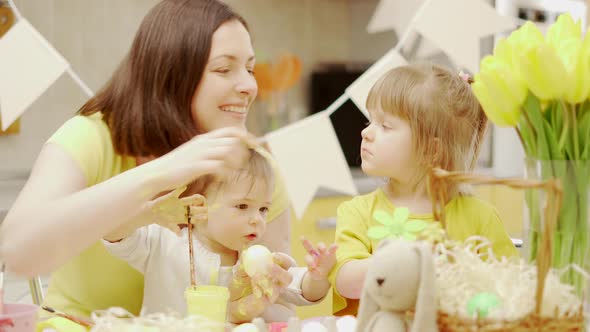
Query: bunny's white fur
(400, 278)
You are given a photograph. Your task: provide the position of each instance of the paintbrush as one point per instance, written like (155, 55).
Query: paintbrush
(2, 270)
(79, 321)
(190, 246)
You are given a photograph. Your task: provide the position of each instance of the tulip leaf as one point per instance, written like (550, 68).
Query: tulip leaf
(570, 131)
(527, 135)
(553, 114)
(548, 111)
(552, 145)
(557, 123)
(543, 151)
(584, 127)
(532, 107)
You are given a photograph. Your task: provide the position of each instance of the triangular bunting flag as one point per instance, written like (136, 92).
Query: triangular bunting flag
(309, 156)
(418, 47)
(28, 66)
(393, 15)
(456, 26)
(359, 89)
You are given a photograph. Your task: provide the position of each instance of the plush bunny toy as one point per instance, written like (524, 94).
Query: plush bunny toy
(400, 278)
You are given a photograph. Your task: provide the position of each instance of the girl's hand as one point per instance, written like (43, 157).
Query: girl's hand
(247, 308)
(250, 296)
(320, 260)
(264, 285)
(277, 278)
(217, 152)
(240, 284)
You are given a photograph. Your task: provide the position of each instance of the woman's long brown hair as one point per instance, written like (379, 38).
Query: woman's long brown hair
(147, 101)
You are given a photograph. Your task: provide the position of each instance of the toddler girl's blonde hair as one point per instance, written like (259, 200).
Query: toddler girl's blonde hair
(258, 168)
(447, 122)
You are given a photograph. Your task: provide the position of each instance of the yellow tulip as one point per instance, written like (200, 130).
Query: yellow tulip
(500, 92)
(543, 72)
(563, 29)
(504, 51)
(584, 69)
(565, 36)
(576, 57)
(524, 38)
(511, 49)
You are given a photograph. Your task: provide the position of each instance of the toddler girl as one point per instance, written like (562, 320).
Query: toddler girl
(420, 115)
(235, 219)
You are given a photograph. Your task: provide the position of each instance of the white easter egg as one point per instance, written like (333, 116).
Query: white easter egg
(346, 324)
(314, 327)
(257, 259)
(247, 327)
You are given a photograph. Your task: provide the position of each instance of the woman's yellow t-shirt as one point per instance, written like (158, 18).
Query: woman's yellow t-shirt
(466, 216)
(94, 279)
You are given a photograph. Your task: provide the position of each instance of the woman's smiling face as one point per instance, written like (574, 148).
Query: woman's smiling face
(228, 87)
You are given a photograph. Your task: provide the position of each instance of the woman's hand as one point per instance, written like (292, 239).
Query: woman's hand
(168, 210)
(217, 152)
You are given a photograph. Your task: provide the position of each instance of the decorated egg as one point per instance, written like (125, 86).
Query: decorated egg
(257, 259)
(314, 327)
(346, 324)
(481, 304)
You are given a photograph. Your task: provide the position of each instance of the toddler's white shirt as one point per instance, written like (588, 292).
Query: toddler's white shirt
(163, 258)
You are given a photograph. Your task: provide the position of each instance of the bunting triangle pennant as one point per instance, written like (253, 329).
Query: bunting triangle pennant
(359, 89)
(309, 156)
(456, 27)
(393, 15)
(28, 66)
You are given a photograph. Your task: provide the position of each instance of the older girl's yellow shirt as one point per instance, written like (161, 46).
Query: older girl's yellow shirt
(95, 279)
(466, 216)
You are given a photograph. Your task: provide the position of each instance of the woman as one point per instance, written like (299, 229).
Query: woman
(174, 110)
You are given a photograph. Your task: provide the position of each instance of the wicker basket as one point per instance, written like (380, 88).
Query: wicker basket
(438, 184)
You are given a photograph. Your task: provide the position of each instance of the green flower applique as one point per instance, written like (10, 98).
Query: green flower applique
(397, 225)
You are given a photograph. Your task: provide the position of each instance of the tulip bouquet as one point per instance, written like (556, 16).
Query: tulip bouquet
(540, 85)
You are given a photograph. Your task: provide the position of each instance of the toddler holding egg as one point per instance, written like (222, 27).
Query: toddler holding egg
(234, 220)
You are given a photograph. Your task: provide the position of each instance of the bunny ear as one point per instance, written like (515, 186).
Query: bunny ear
(425, 318)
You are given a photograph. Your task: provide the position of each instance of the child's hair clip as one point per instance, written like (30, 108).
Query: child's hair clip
(465, 77)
